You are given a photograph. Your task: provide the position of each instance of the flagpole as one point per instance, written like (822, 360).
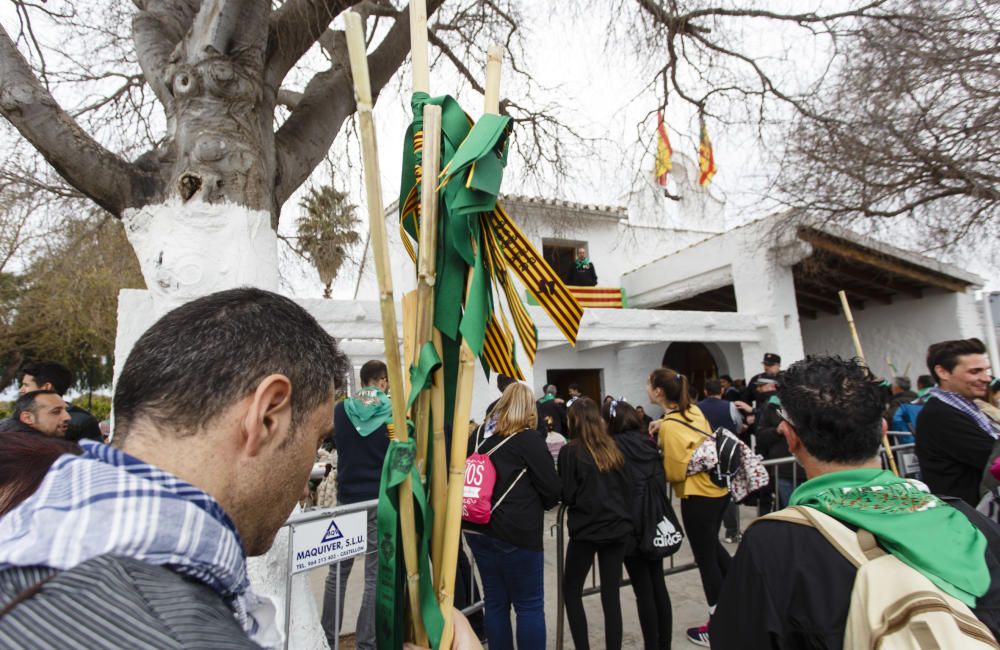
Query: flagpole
(380, 247)
(463, 407)
(861, 355)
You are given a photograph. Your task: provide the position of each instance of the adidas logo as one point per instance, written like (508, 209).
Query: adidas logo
(666, 534)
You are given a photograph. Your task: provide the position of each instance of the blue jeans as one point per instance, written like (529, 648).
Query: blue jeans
(511, 576)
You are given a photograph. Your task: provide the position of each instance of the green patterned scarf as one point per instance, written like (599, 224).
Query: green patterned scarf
(917, 527)
(582, 263)
(547, 398)
(369, 410)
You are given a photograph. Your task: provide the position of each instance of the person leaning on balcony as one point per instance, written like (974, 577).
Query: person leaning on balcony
(583, 273)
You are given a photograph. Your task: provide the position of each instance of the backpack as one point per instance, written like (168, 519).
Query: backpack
(480, 479)
(721, 455)
(893, 606)
(658, 532)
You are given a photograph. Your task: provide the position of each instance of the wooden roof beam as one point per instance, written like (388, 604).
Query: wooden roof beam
(851, 252)
(816, 304)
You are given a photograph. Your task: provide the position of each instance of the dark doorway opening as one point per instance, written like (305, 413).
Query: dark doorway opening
(694, 361)
(590, 380)
(561, 255)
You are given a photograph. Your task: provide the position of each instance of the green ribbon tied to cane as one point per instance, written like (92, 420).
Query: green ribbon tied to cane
(389, 589)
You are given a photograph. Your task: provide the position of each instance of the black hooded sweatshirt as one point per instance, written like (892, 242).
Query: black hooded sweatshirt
(642, 464)
(598, 508)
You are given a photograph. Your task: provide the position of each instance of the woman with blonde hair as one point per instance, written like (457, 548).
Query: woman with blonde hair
(682, 430)
(508, 549)
(595, 490)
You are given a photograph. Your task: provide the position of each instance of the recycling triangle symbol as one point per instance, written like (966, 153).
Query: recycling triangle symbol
(332, 533)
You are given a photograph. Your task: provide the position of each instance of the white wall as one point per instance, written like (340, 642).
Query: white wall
(900, 331)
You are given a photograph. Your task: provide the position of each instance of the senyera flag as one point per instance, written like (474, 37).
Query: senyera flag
(706, 159)
(664, 152)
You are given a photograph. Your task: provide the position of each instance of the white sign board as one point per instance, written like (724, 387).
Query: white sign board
(328, 540)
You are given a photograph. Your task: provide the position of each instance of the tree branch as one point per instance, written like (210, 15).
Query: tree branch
(156, 30)
(328, 101)
(110, 181)
(293, 29)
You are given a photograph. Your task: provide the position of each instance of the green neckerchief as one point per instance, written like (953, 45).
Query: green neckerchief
(548, 398)
(917, 527)
(923, 391)
(369, 410)
(774, 399)
(582, 263)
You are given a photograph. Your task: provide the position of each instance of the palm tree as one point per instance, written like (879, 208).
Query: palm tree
(326, 231)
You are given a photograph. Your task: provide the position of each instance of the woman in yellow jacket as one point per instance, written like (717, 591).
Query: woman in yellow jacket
(682, 429)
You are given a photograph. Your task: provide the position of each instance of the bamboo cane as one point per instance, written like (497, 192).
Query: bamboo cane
(418, 48)
(463, 406)
(427, 267)
(439, 480)
(380, 247)
(861, 355)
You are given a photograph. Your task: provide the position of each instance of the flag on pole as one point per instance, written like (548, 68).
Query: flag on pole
(706, 159)
(664, 152)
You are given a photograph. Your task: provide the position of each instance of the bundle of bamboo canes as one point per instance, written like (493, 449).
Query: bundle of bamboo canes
(428, 410)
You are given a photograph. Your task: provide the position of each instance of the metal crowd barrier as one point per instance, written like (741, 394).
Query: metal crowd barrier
(905, 460)
(594, 588)
(315, 514)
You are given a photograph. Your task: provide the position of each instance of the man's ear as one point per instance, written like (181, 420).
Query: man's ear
(47, 386)
(791, 436)
(26, 418)
(268, 418)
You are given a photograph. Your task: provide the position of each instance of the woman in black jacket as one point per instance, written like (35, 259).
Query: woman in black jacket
(643, 465)
(508, 549)
(595, 489)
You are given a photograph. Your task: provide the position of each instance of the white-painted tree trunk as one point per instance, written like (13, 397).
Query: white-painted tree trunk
(191, 249)
(187, 250)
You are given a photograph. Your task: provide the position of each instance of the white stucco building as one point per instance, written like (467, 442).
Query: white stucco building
(710, 301)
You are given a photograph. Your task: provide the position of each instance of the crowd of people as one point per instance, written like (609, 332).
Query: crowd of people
(216, 434)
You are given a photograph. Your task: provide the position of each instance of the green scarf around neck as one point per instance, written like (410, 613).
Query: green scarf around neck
(582, 263)
(917, 527)
(369, 410)
(547, 398)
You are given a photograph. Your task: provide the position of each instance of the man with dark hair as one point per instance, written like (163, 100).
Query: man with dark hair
(924, 385)
(39, 411)
(722, 413)
(361, 428)
(551, 411)
(574, 394)
(953, 437)
(48, 375)
(788, 587)
(729, 392)
(219, 409)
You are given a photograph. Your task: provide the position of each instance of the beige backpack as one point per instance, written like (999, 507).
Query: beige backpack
(893, 606)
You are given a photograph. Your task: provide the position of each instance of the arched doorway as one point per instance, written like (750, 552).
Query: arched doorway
(693, 360)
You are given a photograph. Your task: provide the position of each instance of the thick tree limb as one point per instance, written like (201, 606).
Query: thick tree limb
(156, 30)
(328, 100)
(294, 27)
(110, 181)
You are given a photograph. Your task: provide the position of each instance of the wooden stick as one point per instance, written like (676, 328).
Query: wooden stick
(383, 269)
(418, 49)
(463, 407)
(861, 355)
(427, 267)
(439, 480)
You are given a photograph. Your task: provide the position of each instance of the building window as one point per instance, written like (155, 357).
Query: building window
(561, 254)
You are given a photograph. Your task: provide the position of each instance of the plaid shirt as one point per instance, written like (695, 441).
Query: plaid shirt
(107, 502)
(968, 407)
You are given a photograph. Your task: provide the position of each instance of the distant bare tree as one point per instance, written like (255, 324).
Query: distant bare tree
(910, 126)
